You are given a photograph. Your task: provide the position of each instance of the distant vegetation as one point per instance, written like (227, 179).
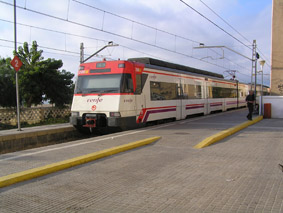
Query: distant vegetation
(39, 80)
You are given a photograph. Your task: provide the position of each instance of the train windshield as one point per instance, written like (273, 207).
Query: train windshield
(112, 83)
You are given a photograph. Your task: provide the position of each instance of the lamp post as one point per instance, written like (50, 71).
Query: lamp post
(261, 62)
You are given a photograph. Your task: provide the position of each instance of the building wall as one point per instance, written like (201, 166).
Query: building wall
(276, 105)
(277, 49)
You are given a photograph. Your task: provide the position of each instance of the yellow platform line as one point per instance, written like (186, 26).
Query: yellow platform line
(54, 167)
(223, 134)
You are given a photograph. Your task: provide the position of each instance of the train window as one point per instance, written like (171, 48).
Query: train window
(140, 82)
(121, 65)
(100, 65)
(232, 93)
(98, 83)
(143, 80)
(99, 70)
(191, 91)
(216, 92)
(220, 92)
(127, 84)
(229, 93)
(163, 91)
(241, 93)
(209, 92)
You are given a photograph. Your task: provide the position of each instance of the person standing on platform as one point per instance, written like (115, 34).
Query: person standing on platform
(250, 99)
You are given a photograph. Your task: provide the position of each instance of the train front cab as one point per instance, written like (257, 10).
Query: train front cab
(108, 94)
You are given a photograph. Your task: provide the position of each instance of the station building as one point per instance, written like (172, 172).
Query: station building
(277, 49)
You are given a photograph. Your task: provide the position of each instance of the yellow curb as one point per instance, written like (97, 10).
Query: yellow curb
(44, 170)
(223, 134)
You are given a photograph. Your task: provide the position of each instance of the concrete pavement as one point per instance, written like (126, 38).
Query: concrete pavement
(237, 174)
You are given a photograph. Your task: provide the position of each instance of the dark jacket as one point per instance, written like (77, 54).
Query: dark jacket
(250, 99)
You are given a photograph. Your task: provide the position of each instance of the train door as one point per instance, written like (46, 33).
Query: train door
(140, 106)
(181, 105)
(205, 96)
(140, 97)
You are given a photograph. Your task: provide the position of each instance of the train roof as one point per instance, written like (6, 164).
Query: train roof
(160, 63)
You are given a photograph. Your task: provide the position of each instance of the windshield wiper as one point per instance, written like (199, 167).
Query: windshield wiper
(90, 91)
(102, 92)
(110, 90)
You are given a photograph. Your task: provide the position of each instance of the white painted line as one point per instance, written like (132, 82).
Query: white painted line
(266, 127)
(112, 137)
(224, 123)
(208, 116)
(82, 143)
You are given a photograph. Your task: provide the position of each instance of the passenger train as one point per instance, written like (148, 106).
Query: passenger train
(130, 93)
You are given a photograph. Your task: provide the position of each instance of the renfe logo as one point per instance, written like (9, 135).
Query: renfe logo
(93, 108)
(94, 100)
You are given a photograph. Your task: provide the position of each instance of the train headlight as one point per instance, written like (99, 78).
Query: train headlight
(75, 114)
(115, 114)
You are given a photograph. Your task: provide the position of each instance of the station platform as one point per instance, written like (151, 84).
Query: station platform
(240, 173)
(14, 140)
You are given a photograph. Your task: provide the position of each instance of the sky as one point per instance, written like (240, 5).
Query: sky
(169, 30)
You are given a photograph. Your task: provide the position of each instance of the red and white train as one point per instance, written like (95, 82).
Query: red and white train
(131, 93)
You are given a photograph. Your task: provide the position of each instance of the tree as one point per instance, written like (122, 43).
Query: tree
(7, 84)
(62, 89)
(41, 79)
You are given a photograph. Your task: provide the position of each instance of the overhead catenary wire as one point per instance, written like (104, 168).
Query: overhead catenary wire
(71, 34)
(136, 22)
(222, 28)
(90, 27)
(133, 21)
(215, 24)
(55, 31)
(70, 53)
(225, 22)
(76, 54)
(50, 48)
(122, 36)
(264, 57)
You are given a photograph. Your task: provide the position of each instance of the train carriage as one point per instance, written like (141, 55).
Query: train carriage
(131, 93)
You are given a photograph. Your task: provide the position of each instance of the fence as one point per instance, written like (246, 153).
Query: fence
(32, 115)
